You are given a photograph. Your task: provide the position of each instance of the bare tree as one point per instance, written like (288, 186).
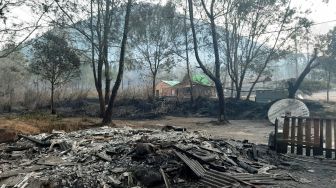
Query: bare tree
(255, 33)
(216, 76)
(294, 86)
(17, 31)
(326, 62)
(186, 29)
(108, 112)
(98, 35)
(155, 29)
(328, 65)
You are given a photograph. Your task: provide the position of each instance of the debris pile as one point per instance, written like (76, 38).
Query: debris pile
(125, 157)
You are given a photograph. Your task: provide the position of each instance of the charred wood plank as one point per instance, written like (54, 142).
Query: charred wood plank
(247, 167)
(36, 141)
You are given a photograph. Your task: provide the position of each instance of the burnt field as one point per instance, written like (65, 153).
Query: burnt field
(132, 108)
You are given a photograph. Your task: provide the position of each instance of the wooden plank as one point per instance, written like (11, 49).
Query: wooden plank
(321, 137)
(310, 117)
(328, 138)
(304, 146)
(335, 136)
(308, 136)
(285, 135)
(293, 129)
(316, 136)
(299, 150)
(296, 142)
(276, 130)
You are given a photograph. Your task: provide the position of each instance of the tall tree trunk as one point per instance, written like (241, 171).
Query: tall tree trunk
(108, 113)
(153, 87)
(293, 87)
(97, 80)
(214, 77)
(238, 92)
(107, 82)
(217, 79)
(232, 88)
(328, 86)
(221, 102)
(101, 101)
(52, 108)
(107, 28)
(187, 55)
(99, 87)
(190, 81)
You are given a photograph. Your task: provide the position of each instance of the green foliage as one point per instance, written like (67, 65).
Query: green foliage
(54, 60)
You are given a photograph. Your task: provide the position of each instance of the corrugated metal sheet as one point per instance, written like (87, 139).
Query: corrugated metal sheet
(214, 178)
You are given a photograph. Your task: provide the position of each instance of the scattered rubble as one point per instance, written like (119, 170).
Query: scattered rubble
(125, 157)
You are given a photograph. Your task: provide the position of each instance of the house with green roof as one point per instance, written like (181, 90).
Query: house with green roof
(165, 88)
(202, 86)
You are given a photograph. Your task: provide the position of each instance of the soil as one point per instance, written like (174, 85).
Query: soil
(255, 131)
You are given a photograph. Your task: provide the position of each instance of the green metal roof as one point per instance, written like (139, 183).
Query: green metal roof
(201, 79)
(171, 82)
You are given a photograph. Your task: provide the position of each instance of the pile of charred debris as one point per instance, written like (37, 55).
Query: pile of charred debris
(125, 157)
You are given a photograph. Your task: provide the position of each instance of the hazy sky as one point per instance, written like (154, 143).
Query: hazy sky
(321, 12)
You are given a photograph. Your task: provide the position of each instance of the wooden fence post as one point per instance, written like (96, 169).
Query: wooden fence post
(293, 130)
(276, 134)
(328, 139)
(308, 136)
(299, 150)
(284, 144)
(321, 137)
(316, 137)
(335, 137)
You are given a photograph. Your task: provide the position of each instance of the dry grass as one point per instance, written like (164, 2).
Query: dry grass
(44, 123)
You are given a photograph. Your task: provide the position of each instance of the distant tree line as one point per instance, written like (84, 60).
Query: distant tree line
(241, 38)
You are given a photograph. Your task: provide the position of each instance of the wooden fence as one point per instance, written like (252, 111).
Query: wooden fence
(306, 136)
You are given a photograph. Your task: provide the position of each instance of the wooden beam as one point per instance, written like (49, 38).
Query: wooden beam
(284, 145)
(308, 136)
(328, 138)
(293, 129)
(316, 136)
(299, 150)
(321, 137)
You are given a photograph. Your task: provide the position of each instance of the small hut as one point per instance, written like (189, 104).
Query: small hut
(201, 87)
(165, 88)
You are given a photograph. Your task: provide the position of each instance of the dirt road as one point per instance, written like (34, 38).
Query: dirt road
(255, 131)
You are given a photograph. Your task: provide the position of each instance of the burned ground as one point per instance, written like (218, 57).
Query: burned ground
(144, 152)
(149, 148)
(131, 108)
(126, 157)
